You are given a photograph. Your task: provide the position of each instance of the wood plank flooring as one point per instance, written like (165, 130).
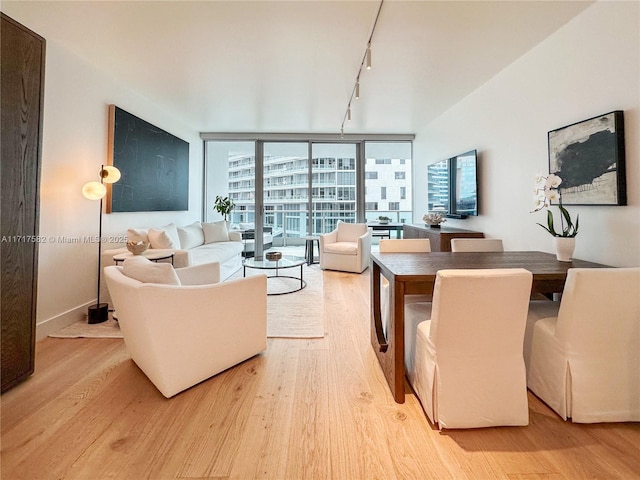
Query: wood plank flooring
(304, 409)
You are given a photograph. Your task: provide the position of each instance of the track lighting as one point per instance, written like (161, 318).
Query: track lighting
(366, 63)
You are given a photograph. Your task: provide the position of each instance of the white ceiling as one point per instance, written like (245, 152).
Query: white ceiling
(290, 66)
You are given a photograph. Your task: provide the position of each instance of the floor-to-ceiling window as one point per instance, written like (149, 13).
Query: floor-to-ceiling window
(230, 171)
(388, 180)
(308, 185)
(286, 189)
(333, 184)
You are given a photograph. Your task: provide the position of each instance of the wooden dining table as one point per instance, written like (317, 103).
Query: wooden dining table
(415, 273)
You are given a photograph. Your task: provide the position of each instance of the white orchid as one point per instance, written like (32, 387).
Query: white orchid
(547, 191)
(553, 181)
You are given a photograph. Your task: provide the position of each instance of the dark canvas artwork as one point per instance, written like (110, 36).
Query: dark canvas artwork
(589, 157)
(154, 166)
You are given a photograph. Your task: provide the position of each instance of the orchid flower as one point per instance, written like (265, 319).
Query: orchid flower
(547, 191)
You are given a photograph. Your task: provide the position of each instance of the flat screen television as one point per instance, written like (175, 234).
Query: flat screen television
(452, 185)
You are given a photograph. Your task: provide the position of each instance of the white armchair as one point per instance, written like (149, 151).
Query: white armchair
(583, 353)
(347, 248)
(180, 331)
(468, 369)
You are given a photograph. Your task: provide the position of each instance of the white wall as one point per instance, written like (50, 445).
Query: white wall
(587, 68)
(74, 146)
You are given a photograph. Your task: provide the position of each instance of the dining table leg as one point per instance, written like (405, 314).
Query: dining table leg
(389, 349)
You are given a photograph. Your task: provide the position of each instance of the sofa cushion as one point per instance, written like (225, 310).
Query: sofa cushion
(191, 236)
(164, 237)
(349, 232)
(215, 232)
(137, 235)
(145, 271)
(215, 252)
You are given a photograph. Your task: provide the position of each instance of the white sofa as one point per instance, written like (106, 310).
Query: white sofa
(194, 244)
(180, 327)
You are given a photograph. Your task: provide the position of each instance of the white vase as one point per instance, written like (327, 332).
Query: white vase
(564, 248)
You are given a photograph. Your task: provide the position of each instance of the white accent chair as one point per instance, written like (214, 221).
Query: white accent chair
(347, 248)
(583, 353)
(184, 329)
(468, 369)
(401, 245)
(476, 245)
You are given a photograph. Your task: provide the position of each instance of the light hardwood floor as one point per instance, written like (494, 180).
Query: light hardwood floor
(305, 409)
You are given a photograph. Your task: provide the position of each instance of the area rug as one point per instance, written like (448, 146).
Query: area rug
(293, 315)
(81, 329)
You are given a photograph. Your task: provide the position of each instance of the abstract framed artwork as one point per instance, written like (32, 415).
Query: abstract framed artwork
(154, 166)
(589, 156)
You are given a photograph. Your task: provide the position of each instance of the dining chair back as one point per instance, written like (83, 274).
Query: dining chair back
(406, 245)
(583, 359)
(476, 245)
(402, 245)
(468, 369)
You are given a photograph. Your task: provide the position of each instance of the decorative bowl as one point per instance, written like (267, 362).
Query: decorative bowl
(273, 256)
(137, 248)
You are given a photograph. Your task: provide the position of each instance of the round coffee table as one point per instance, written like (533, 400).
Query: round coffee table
(287, 261)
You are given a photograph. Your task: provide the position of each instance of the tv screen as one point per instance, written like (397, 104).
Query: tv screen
(466, 184)
(452, 185)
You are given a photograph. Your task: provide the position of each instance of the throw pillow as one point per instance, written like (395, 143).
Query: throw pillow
(191, 236)
(349, 232)
(164, 237)
(137, 235)
(144, 270)
(215, 232)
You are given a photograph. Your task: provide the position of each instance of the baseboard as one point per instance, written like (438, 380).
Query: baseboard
(53, 324)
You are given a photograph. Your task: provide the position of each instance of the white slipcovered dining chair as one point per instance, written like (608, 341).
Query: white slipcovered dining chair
(400, 245)
(179, 327)
(347, 248)
(583, 353)
(476, 245)
(464, 350)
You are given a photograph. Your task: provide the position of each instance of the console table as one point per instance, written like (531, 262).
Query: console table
(440, 238)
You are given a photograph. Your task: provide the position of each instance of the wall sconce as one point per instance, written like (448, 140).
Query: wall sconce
(99, 312)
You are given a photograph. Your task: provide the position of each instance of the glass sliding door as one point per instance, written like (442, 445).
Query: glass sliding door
(286, 191)
(230, 171)
(333, 185)
(388, 182)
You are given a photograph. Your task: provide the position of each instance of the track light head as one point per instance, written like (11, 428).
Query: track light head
(357, 89)
(368, 57)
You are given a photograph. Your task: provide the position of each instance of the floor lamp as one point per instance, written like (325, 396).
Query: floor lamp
(99, 312)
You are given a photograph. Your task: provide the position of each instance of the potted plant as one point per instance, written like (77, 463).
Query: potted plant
(383, 219)
(548, 190)
(224, 206)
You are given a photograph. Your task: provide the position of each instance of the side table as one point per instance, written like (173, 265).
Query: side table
(308, 248)
(150, 254)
